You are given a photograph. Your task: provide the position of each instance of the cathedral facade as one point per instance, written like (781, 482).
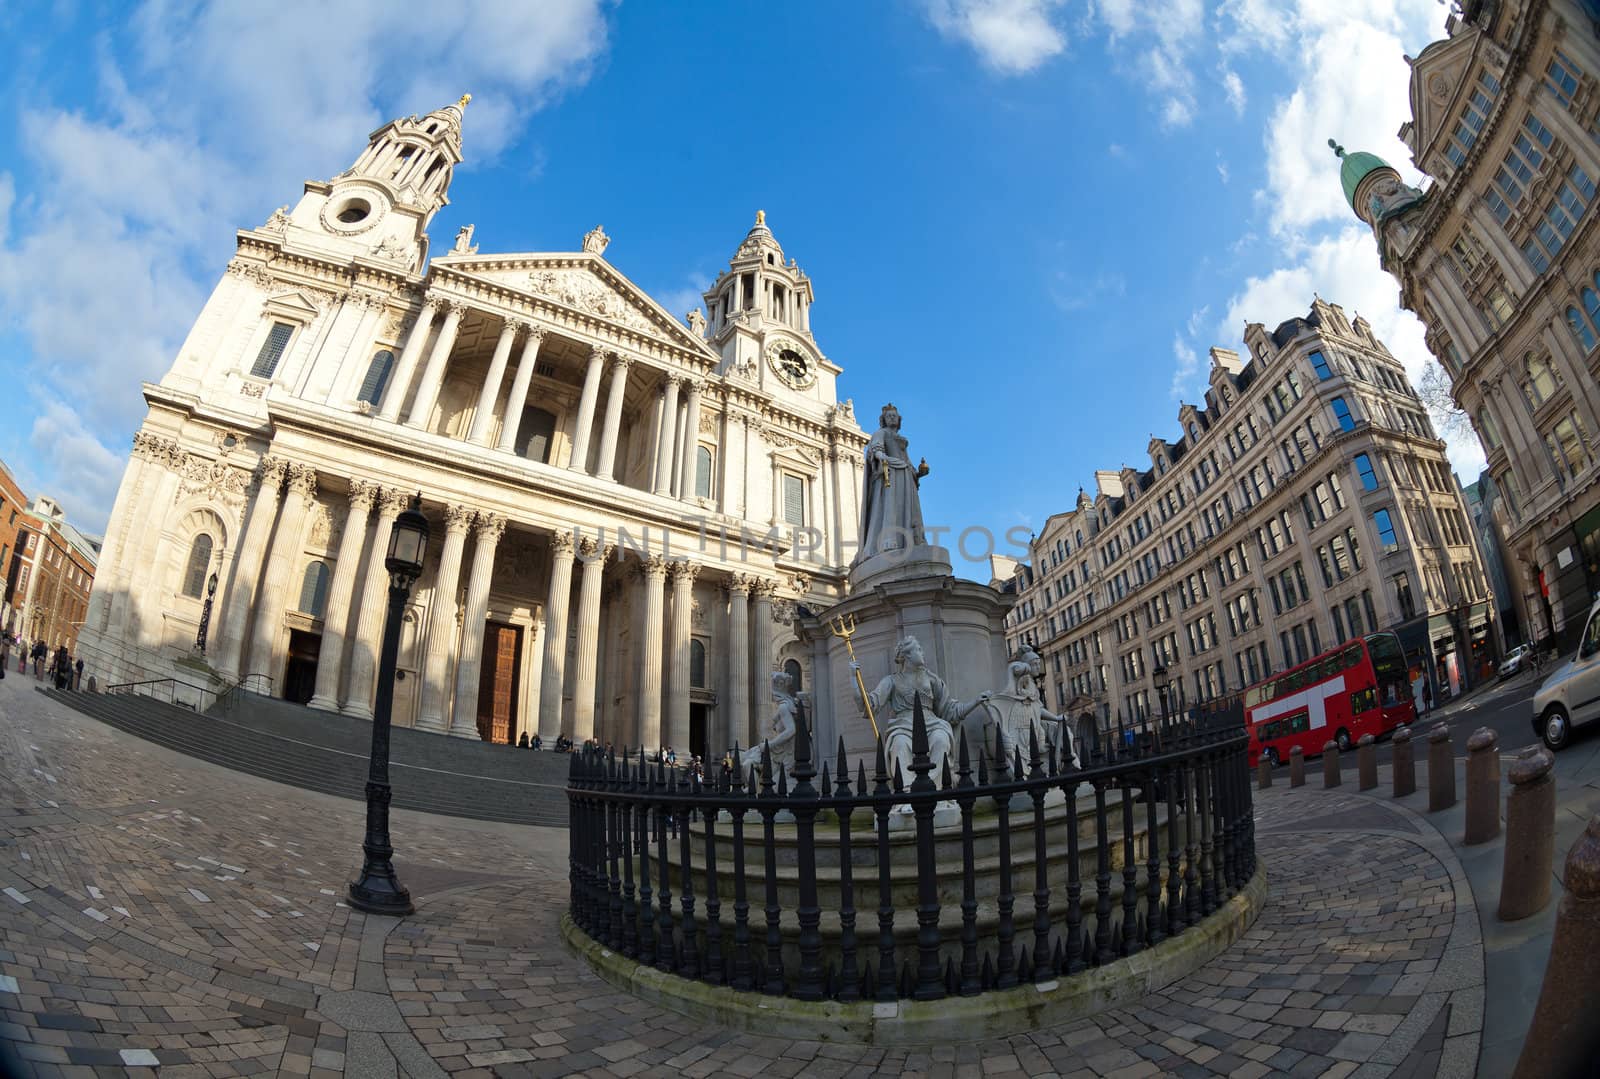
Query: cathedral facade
(627, 508)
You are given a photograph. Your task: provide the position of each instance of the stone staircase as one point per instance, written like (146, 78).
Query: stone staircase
(327, 752)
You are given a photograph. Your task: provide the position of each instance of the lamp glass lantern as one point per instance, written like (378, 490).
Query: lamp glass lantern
(408, 542)
(211, 586)
(1162, 678)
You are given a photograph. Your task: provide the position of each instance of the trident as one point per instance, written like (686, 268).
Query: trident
(844, 627)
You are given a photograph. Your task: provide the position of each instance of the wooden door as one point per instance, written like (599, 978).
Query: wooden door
(498, 681)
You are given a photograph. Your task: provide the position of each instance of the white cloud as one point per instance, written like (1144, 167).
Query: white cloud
(1187, 367)
(1011, 37)
(132, 201)
(1233, 86)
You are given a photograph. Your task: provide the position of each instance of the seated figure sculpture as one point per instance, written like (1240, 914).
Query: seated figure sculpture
(1019, 716)
(891, 702)
(778, 735)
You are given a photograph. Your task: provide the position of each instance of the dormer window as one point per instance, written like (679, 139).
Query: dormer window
(1194, 432)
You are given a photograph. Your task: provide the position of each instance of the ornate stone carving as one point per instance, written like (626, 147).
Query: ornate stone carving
(683, 569)
(491, 526)
(458, 518)
(739, 583)
(321, 526)
(579, 289)
(620, 362)
(800, 582)
(595, 241)
(697, 322)
(392, 249)
(153, 447)
(254, 272)
(278, 221)
(655, 567)
(535, 331)
(561, 544)
(393, 500)
(697, 614)
(212, 479)
(362, 494)
(765, 588)
(783, 612)
(360, 297)
(269, 471)
(303, 480)
(253, 389)
(464, 244)
(708, 422)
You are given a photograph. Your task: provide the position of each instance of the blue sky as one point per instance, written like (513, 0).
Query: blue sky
(1025, 220)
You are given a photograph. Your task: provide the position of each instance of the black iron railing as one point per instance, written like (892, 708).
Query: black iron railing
(172, 690)
(800, 847)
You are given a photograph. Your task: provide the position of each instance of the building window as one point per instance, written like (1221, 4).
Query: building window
(791, 667)
(1385, 526)
(272, 350)
(1484, 419)
(1341, 412)
(314, 589)
(1364, 469)
(1472, 119)
(1319, 364)
(534, 435)
(194, 573)
(1565, 442)
(1561, 79)
(1541, 384)
(702, 472)
(794, 499)
(697, 664)
(1580, 325)
(377, 377)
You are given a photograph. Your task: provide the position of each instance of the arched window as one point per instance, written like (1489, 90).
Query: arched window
(702, 472)
(194, 573)
(314, 589)
(1541, 384)
(791, 667)
(697, 664)
(1591, 305)
(377, 377)
(1579, 326)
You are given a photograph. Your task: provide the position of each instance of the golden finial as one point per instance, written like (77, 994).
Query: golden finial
(466, 99)
(761, 217)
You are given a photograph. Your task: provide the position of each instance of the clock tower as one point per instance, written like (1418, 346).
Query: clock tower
(760, 321)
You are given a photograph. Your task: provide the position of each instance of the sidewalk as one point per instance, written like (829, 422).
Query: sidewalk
(160, 915)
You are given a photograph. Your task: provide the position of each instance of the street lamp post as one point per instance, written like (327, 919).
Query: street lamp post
(378, 891)
(1162, 679)
(205, 615)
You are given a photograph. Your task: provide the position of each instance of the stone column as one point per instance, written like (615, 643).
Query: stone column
(677, 736)
(738, 649)
(691, 442)
(465, 722)
(433, 373)
(667, 435)
(114, 553)
(374, 608)
(586, 403)
(761, 646)
(552, 680)
(157, 486)
(605, 468)
(478, 433)
(441, 636)
(836, 554)
(394, 397)
(518, 400)
(276, 584)
(528, 705)
(247, 567)
(336, 617)
(593, 556)
(655, 576)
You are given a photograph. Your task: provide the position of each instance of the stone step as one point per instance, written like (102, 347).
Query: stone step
(326, 765)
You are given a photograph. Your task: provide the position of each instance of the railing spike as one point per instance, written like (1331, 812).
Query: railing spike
(963, 760)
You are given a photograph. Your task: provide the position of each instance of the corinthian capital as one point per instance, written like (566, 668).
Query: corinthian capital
(269, 473)
(739, 584)
(536, 333)
(684, 572)
(363, 493)
(303, 480)
(562, 544)
(457, 518)
(393, 500)
(655, 567)
(491, 526)
(619, 362)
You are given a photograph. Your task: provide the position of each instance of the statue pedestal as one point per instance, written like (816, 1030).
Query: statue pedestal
(896, 594)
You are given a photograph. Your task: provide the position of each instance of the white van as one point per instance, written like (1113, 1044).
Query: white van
(1571, 696)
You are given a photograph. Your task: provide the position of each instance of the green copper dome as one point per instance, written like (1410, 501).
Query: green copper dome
(1354, 168)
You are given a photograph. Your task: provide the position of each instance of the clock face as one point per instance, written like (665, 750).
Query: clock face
(790, 364)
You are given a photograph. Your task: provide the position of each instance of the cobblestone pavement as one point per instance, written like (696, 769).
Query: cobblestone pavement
(159, 915)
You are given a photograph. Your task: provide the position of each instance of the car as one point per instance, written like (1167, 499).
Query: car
(1570, 697)
(1515, 659)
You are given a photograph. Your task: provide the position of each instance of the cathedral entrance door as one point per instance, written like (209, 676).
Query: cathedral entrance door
(300, 673)
(697, 729)
(498, 681)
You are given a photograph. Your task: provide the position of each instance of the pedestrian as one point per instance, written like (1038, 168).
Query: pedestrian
(1427, 697)
(61, 667)
(41, 652)
(77, 682)
(537, 743)
(5, 653)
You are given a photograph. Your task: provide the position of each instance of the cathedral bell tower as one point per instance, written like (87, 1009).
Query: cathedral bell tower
(759, 317)
(380, 207)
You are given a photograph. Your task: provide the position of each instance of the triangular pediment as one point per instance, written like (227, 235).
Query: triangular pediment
(295, 304)
(1438, 78)
(587, 284)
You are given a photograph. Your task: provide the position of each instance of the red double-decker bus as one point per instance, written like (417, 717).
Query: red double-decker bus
(1361, 687)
